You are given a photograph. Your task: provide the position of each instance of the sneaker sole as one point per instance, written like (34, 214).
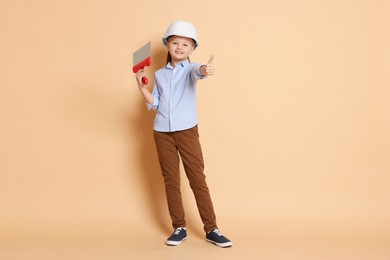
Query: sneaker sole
(174, 243)
(227, 244)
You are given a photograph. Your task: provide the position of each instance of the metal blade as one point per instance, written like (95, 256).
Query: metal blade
(141, 54)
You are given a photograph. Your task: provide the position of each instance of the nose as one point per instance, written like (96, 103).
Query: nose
(178, 47)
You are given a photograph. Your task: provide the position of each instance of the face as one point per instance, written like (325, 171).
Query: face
(180, 47)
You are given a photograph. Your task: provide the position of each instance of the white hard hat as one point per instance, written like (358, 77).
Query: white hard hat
(181, 28)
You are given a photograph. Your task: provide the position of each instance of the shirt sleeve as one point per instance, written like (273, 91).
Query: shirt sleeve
(156, 99)
(195, 72)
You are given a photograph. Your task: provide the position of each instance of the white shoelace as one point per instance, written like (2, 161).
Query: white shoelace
(216, 231)
(177, 230)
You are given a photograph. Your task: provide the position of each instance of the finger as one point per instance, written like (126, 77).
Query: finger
(210, 69)
(210, 66)
(211, 59)
(140, 74)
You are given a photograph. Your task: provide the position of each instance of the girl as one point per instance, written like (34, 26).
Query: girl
(176, 131)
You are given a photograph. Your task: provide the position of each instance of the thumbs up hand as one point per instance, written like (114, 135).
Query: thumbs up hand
(209, 68)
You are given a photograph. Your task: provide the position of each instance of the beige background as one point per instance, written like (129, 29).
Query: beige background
(295, 129)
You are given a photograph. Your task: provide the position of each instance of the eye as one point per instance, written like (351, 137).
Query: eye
(185, 45)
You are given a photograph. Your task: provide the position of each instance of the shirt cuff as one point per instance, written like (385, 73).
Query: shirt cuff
(198, 75)
(152, 106)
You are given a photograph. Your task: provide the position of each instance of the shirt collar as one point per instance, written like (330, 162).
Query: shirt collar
(183, 64)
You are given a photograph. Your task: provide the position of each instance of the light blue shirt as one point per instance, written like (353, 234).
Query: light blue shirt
(174, 97)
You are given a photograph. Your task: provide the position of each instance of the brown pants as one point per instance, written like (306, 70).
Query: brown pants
(186, 143)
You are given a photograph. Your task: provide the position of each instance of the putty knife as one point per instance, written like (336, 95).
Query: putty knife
(141, 58)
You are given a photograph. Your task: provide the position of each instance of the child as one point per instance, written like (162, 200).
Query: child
(176, 130)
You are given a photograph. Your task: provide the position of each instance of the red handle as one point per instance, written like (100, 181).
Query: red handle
(145, 80)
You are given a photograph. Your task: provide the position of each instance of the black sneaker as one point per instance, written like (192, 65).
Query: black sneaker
(178, 236)
(218, 239)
